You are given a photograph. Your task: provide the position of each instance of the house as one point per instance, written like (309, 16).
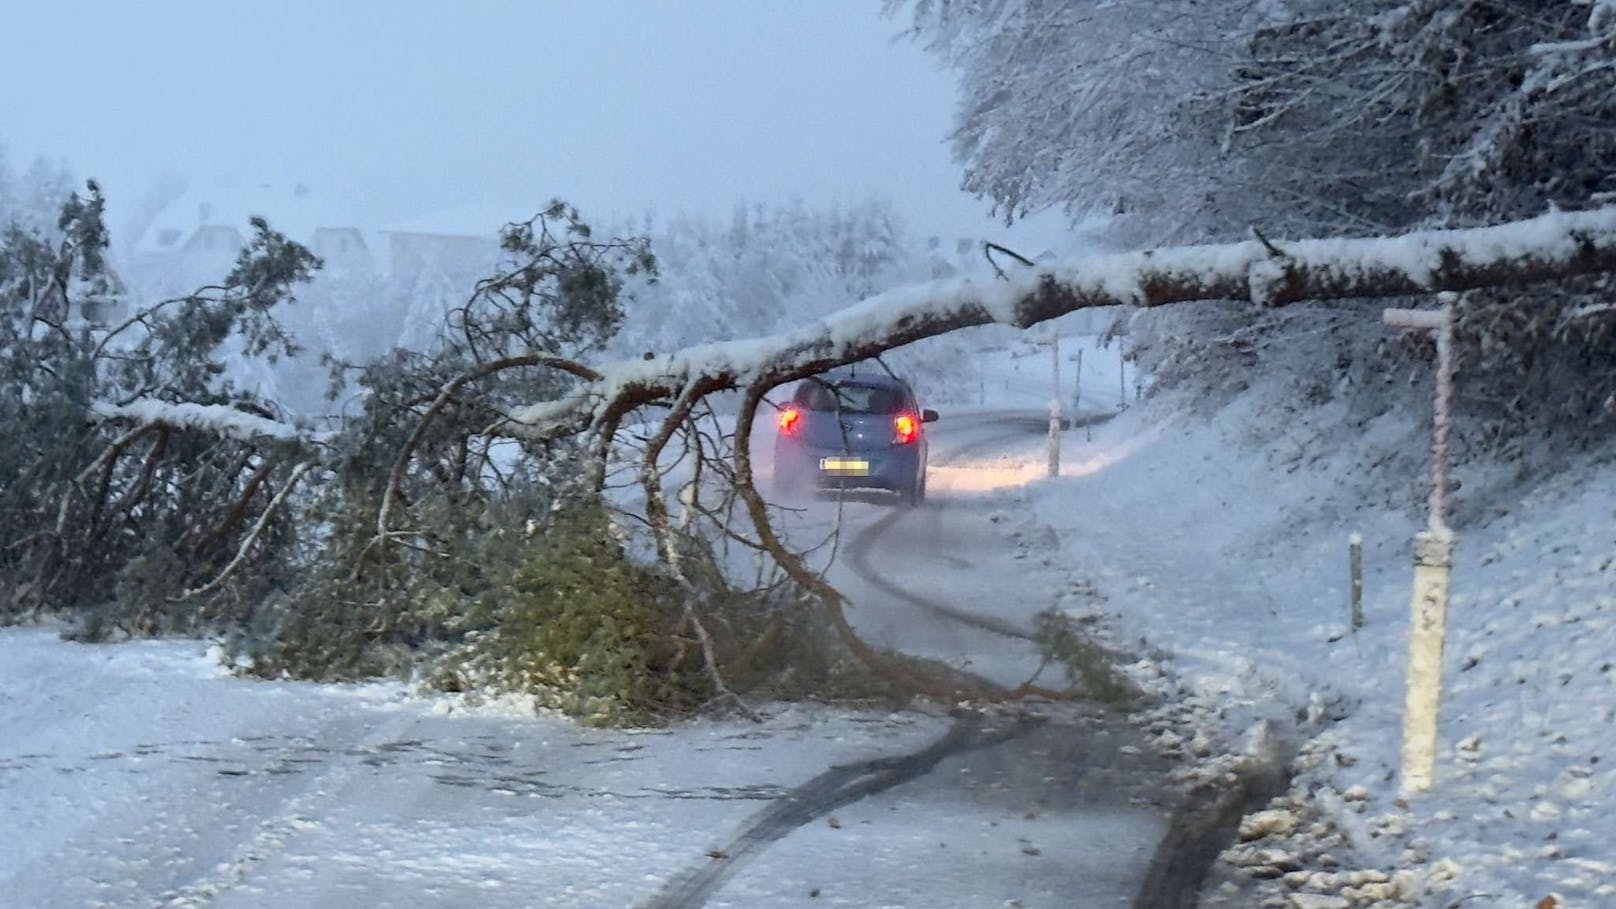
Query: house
(198, 236)
(460, 244)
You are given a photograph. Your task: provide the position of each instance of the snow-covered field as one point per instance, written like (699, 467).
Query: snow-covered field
(1222, 559)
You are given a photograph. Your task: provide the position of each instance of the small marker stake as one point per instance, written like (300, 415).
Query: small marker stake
(1355, 550)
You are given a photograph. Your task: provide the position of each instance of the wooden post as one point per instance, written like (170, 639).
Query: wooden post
(1433, 564)
(1077, 385)
(1054, 361)
(1355, 550)
(1054, 407)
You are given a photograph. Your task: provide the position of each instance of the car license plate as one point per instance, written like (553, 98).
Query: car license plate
(845, 467)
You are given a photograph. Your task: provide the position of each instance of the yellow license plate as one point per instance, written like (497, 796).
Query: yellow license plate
(845, 467)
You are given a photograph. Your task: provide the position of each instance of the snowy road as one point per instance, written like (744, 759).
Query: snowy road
(958, 579)
(140, 774)
(961, 580)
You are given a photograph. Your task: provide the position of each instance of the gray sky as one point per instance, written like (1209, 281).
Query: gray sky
(396, 109)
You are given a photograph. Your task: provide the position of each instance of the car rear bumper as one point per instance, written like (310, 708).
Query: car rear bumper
(892, 468)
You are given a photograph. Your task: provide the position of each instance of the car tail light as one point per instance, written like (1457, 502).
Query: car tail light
(908, 428)
(790, 421)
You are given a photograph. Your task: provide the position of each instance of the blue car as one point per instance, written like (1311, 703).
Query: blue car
(858, 430)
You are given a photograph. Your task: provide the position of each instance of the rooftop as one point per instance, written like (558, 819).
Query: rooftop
(294, 211)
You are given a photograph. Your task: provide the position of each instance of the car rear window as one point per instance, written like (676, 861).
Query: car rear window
(853, 397)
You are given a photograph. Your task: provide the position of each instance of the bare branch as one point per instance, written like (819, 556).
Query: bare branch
(395, 478)
(246, 544)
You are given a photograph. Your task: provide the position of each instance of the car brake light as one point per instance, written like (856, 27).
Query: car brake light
(907, 426)
(790, 421)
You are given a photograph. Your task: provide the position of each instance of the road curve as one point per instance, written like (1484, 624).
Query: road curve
(959, 579)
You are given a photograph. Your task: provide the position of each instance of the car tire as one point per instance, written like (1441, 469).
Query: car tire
(915, 494)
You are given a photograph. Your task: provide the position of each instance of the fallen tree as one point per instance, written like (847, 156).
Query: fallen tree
(1268, 274)
(608, 547)
(1554, 246)
(132, 476)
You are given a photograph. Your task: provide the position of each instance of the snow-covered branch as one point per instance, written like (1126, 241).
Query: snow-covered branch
(220, 419)
(1548, 247)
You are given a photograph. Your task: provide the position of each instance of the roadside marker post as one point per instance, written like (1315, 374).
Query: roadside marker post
(1355, 558)
(1055, 406)
(1077, 385)
(1433, 565)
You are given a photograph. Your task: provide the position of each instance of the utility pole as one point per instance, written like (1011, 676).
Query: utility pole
(1433, 564)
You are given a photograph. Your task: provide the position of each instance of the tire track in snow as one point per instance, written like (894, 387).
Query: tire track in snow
(296, 814)
(844, 784)
(841, 785)
(859, 560)
(1006, 427)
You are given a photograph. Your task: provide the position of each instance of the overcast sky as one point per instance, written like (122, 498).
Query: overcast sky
(396, 109)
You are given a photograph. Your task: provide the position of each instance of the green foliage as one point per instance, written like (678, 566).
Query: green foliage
(561, 289)
(187, 341)
(110, 520)
(1087, 664)
(494, 568)
(561, 612)
(366, 607)
(583, 627)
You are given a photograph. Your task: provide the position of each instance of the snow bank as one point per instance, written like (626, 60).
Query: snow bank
(1222, 554)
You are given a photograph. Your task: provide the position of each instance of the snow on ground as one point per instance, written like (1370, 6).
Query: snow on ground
(1220, 556)
(1015, 371)
(142, 774)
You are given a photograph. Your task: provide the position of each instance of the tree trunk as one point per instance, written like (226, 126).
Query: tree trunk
(1552, 246)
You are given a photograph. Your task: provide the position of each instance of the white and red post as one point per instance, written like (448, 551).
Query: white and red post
(1433, 563)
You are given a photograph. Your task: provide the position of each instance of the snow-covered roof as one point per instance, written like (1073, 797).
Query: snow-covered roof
(294, 211)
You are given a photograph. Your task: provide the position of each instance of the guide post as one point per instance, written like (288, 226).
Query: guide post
(1433, 563)
(1055, 407)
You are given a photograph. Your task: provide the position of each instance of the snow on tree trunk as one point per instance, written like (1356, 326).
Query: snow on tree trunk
(1555, 245)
